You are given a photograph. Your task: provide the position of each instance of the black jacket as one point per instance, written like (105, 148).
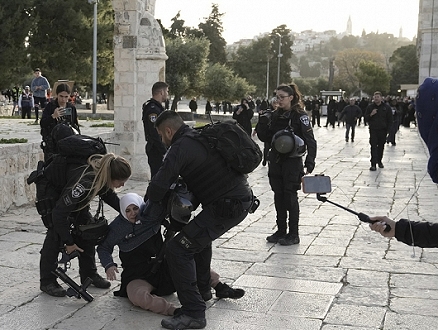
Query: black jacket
(382, 119)
(425, 233)
(300, 123)
(244, 118)
(68, 208)
(203, 170)
(351, 113)
(47, 123)
(151, 110)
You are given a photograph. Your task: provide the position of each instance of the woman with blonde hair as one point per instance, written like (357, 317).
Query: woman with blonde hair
(99, 177)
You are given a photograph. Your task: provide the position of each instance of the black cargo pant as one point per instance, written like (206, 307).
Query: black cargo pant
(155, 158)
(377, 143)
(285, 179)
(196, 238)
(50, 252)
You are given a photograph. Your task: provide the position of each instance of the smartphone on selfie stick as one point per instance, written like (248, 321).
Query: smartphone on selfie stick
(320, 185)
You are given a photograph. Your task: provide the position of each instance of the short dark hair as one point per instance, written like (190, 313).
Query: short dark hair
(171, 118)
(37, 70)
(158, 86)
(62, 88)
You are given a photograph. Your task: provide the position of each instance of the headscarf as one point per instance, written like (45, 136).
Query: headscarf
(128, 199)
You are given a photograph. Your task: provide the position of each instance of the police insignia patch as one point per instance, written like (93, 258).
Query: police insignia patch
(77, 191)
(305, 120)
(152, 117)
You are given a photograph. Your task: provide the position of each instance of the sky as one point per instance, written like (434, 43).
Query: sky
(245, 19)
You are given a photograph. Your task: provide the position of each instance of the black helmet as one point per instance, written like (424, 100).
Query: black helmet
(286, 142)
(182, 203)
(63, 130)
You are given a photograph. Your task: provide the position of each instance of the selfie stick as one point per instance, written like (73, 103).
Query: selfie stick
(362, 216)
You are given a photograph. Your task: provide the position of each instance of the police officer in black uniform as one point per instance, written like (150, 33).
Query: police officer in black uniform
(225, 196)
(71, 200)
(155, 149)
(286, 168)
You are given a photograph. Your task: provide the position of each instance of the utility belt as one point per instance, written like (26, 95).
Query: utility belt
(44, 208)
(229, 208)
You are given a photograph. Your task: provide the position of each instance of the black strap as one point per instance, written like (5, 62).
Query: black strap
(99, 209)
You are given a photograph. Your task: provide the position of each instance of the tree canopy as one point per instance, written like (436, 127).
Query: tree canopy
(348, 67)
(185, 68)
(404, 67)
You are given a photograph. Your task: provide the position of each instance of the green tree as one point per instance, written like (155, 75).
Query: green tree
(212, 29)
(185, 68)
(250, 62)
(373, 77)
(404, 67)
(15, 22)
(310, 87)
(61, 40)
(221, 83)
(348, 65)
(286, 53)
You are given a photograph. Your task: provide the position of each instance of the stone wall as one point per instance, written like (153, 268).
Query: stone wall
(427, 42)
(17, 161)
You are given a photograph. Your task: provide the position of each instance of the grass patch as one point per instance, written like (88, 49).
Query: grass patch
(103, 125)
(14, 140)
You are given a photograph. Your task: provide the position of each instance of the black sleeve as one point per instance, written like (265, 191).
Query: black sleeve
(309, 139)
(47, 122)
(368, 111)
(111, 198)
(425, 234)
(75, 120)
(72, 197)
(150, 112)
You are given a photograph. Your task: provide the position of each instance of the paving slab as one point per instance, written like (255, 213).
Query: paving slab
(341, 276)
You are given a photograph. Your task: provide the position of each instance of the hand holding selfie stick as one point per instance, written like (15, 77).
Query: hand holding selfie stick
(321, 184)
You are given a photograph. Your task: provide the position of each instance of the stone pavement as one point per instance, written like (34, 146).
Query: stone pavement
(341, 276)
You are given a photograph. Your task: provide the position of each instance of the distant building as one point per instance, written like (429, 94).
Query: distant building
(349, 31)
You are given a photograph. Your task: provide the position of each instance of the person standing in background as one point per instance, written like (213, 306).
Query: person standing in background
(351, 113)
(39, 87)
(379, 118)
(155, 149)
(25, 103)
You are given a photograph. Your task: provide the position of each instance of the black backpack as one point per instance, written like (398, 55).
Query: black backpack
(234, 144)
(51, 176)
(72, 150)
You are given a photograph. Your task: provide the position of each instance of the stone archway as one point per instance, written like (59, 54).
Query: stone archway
(139, 61)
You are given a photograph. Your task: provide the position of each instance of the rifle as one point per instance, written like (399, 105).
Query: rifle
(74, 290)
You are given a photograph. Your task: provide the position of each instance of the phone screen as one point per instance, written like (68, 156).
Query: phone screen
(317, 184)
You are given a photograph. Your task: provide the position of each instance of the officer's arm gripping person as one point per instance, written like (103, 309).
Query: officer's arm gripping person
(225, 196)
(99, 177)
(286, 166)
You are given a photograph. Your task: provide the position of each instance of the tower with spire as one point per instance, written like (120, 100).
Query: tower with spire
(400, 33)
(349, 30)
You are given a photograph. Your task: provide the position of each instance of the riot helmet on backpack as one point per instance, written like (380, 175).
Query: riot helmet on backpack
(286, 142)
(182, 203)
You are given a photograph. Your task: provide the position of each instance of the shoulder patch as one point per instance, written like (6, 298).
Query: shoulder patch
(153, 117)
(67, 200)
(77, 191)
(305, 120)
